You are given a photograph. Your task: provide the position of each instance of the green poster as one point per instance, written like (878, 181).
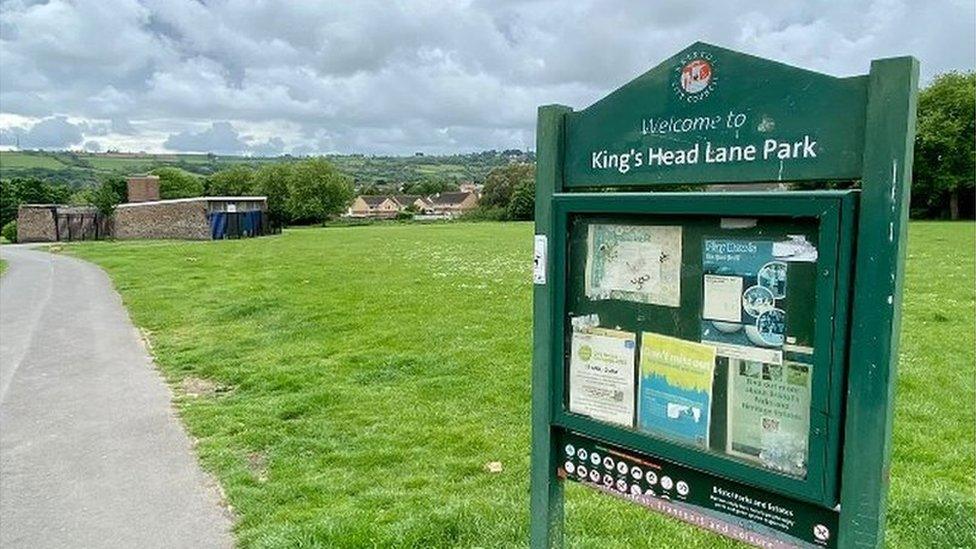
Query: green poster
(769, 414)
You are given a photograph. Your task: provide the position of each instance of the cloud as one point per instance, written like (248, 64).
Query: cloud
(389, 77)
(55, 132)
(219, 138)
(92, 146)
(272, 147)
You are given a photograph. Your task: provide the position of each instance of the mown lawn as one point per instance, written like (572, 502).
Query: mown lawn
(348, 385)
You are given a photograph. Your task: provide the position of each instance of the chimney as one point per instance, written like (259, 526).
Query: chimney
(143, 188)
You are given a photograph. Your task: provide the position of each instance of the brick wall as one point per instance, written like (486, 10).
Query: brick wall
(143, 188)
(36, 224)
(183, 220)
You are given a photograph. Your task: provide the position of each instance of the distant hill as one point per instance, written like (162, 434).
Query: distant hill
(80, 169)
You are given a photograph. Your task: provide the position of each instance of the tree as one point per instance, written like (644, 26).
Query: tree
(234, 181)
(316, 191)
(945, 147)
(8, 201)
(176, 183)
(30, 190)
(271, 181)
(429, 186)
(501, 183)
(522, 205)
(104, 198)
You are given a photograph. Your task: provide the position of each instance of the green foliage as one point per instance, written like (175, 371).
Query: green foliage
(502, 182)
(31, 190)
(9, 231)
(429, 187)
(510, 189)
(271, 180)
(316, 191)
(233, 181)
(522, 205)
(339, 364)
(104, 198)
(176, 183)
(945, 147)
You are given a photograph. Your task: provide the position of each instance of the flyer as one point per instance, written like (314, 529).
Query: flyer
(676, 388)
(639, 263)
(744, 289)
(601, 375)
(769, 414)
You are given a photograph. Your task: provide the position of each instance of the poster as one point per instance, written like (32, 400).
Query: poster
(639, 263)
(744, 288)
(601, 375)
(676, 388)
(769, 414)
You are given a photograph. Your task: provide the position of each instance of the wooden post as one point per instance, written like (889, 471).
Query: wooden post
(876, 319)
(547, 491)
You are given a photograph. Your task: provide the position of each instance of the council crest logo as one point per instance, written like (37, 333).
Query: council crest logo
(695, 76)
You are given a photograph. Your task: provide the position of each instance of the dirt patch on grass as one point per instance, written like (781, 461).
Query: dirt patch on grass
(196, 387)
(257, 463)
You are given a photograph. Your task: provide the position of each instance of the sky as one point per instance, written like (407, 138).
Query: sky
(266, 78)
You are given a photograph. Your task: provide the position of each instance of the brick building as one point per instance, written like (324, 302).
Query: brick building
(145, 216)
(143, 188)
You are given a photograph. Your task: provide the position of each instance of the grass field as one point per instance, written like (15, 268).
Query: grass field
(348, 385)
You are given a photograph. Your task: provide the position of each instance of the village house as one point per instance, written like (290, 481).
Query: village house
(471, 187)
(368, 205)
(449, 204)
(415, 202)
(453, 204)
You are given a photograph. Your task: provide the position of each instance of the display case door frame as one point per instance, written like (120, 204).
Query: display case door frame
(833, 212)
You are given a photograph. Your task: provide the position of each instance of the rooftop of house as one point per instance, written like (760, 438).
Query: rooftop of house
(373, 200)
(407, 199)
(447, 199)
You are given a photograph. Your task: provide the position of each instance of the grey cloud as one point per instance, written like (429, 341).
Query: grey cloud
(220, 138)
(122, 126)
(272, 147)
(382, 77)
(55, 132)
(92, 146)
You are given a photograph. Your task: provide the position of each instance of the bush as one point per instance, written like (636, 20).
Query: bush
(9, 231)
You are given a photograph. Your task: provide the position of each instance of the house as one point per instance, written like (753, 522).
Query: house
(453, 204)
(367, 205)
(417, 203)
(471, 187)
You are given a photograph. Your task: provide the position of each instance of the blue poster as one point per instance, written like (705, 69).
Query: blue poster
(744, 290)
(676, 389)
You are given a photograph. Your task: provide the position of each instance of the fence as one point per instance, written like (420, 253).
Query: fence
(82, 226)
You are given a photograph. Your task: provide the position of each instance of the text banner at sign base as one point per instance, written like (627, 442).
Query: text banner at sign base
(731, 509)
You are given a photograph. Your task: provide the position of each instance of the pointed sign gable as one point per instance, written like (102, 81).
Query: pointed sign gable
(711, 115)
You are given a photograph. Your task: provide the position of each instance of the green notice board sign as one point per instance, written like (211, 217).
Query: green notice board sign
(724, 358)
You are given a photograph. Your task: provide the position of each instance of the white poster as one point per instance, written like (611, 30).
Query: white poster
(723, 298)
(639, 263)
(601, 375)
